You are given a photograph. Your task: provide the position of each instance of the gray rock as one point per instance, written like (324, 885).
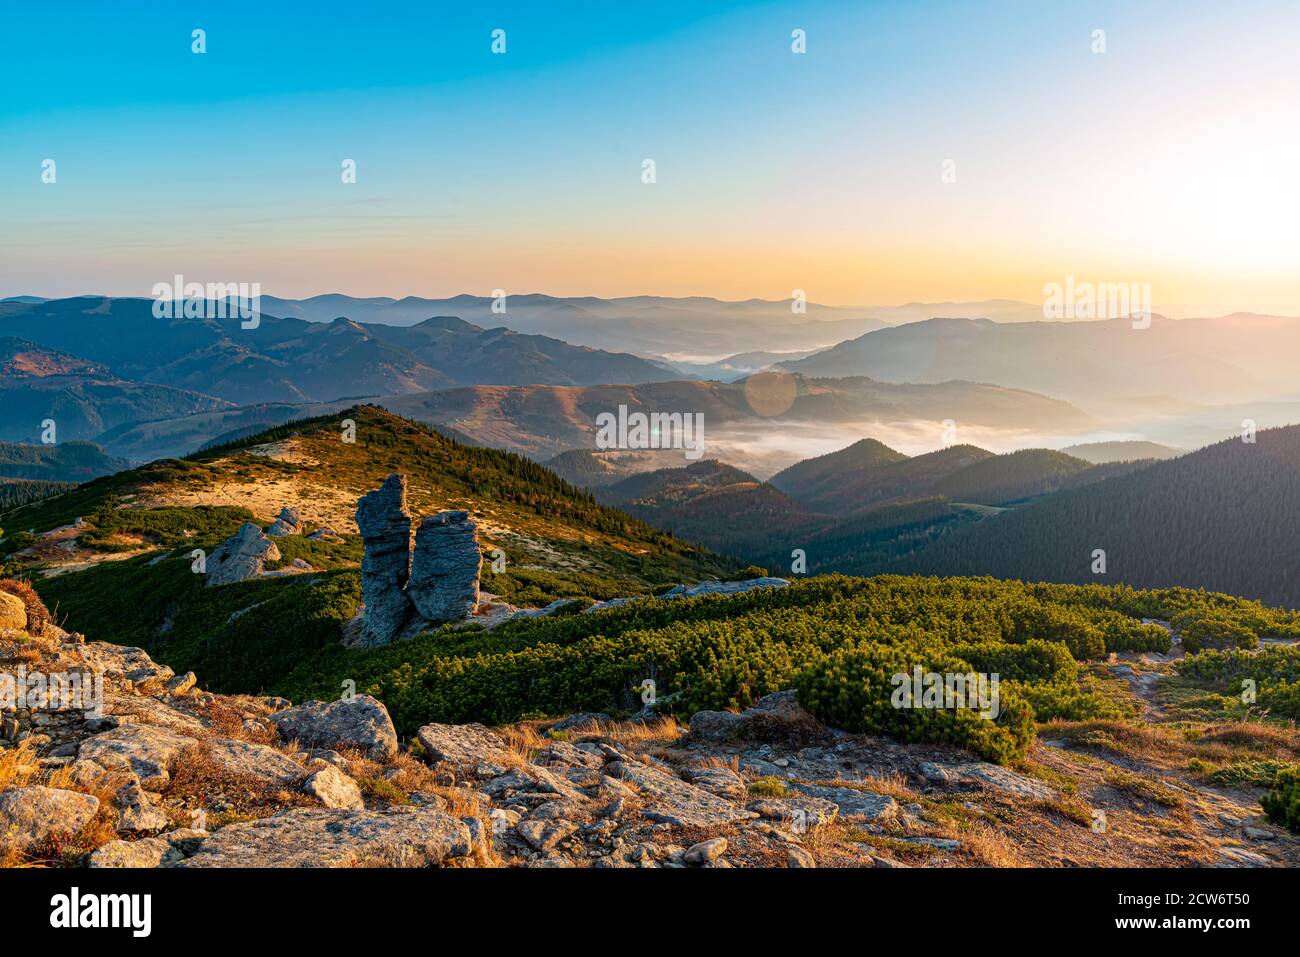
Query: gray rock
(800, 814)
(146, 750)
(287, 524)
(385, 526)
(136, 812)
(723, 588)
(584, 721)
(255, 761)
(799, 857)
(938, 843)
(445, 568)
(362, 722)
(673, 801)
(335, 789)
(30, 815)
(13, 613)
(723, 782)
(181, 684)
(148, 852)
(317, 837)
(706, 851)
(546, 833)
(983, 774)
(464, 745)
(855, 805)
(242, 556)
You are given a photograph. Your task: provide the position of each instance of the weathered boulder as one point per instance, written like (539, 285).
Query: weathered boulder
(445, 567)
(706, 851)
(242, 556)
(144, 749)
(318, 837)
(462, 744)
(30, 815)
(287, 524)
(361, 722)
(854, 805)
(984, 774)
(385, 526)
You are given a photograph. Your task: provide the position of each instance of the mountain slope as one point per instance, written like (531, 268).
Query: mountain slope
(812, 478)
(1223, 518)
(83, 398)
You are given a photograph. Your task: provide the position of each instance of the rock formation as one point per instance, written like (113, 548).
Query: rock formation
(289, 523)
(385, 526)
(445, 567)
(435, 583)
(242, 556)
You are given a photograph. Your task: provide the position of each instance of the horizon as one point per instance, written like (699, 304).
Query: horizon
(523, 169)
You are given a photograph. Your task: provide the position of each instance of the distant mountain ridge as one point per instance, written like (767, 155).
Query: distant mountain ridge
(291, 360)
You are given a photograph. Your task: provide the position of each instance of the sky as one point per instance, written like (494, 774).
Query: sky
(1172, 158)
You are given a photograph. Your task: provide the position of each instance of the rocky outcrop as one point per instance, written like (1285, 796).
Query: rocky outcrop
(289, 523)
(242, 556)
(385, 526)
(13, 615)
(445, 568)
(402, 588)
(308, 837)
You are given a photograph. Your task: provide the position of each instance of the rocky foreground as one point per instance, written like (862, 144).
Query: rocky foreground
(172, 776)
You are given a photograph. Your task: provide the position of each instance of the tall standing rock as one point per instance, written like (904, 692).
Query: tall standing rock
(385, 526)
(289, 523)
(444, 571)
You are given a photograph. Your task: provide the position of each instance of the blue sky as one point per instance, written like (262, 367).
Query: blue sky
(1166, 159)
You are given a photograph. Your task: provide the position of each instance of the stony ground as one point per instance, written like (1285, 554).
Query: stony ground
(173, 776)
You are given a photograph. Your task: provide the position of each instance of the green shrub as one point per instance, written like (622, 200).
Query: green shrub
(853, 688)
(1282, 802)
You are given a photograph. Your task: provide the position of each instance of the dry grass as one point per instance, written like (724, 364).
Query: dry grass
(37, 614)
(17, 766)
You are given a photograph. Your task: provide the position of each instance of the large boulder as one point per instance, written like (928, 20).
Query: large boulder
(143, 749)
(463, 744)
(362, 722)
(30, 815)
(318, 837)
(385, 525)
(242, 556)
(445, 567)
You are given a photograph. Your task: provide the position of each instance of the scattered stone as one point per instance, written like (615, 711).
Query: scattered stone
(135, 811)
(583, 721)
(30, 815)
(242, 556)
(181, 684)
(938, 843)
(802, 814)
(706, 851)
(334, 789)
(362, 722)
(799, 857)
(545, 834)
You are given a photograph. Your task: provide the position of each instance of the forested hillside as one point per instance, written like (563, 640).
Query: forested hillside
(1226, 518)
